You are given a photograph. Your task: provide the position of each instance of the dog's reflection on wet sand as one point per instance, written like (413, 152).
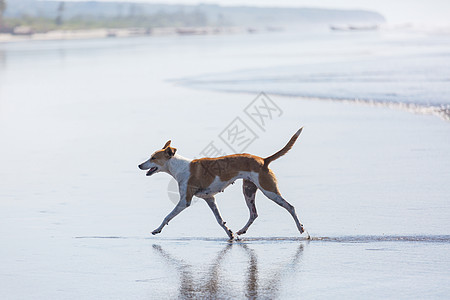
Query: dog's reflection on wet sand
(215, 284)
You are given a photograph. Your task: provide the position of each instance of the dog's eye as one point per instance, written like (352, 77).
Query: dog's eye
(152, 158)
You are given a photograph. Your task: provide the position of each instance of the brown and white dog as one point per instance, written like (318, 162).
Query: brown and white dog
(205, 177)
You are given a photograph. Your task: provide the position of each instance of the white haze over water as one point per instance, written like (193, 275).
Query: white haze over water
(77, 117)
(370, 184)
(389, 67)
(422, 14)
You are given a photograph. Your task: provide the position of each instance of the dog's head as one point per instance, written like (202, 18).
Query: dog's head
(158, 161)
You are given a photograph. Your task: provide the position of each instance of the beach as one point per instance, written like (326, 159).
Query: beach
(369, 183)
(27, 33)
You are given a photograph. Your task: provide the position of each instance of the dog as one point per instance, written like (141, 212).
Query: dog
(205, 177)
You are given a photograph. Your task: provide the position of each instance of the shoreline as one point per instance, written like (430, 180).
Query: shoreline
(81, 34)
(443, 111)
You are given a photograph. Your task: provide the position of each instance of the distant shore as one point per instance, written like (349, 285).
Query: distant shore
(123, 32)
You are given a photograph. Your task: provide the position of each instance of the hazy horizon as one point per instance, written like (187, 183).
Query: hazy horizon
(433, 12)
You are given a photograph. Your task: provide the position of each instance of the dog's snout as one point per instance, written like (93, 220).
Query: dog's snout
(144, 166)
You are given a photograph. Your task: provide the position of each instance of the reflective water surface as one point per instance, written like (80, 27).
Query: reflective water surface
(270, 268)
(370, 184)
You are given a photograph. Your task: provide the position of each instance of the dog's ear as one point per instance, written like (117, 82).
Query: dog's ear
(167, 144)
(170, 151)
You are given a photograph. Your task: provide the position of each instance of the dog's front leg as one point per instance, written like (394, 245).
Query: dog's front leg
(179, 208)
(212, 204)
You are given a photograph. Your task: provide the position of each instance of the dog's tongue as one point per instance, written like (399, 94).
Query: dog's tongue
(149, 172)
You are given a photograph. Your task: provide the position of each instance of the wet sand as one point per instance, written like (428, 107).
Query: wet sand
(369, 183)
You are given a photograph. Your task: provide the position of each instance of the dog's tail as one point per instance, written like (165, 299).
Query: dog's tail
(283, 151)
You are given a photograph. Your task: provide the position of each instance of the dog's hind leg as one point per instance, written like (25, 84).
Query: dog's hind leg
(267, 183)
(249, 189)
(278, 199)
(212, 204)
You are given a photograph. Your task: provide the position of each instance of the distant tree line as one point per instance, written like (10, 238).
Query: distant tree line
(132, 17)
(2, 11)
(43, 16)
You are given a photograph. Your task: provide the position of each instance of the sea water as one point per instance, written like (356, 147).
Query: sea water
(390, 67)
(370, 184)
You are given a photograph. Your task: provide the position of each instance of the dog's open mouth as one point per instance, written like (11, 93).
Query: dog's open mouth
(151, 171)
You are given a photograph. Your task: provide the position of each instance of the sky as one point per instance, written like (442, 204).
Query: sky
(427, 12)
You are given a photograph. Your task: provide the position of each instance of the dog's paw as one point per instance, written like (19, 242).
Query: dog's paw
(308, 237)
(230, 235)
(241, 232)
(301, 229)
(156, 231)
